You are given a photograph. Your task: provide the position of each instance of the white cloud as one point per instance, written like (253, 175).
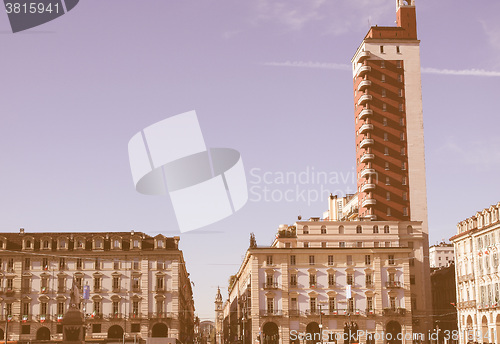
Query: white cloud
(467, 72)
(318, 65)
(346, 67)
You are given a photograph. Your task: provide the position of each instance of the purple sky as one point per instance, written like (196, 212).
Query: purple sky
(268, 78)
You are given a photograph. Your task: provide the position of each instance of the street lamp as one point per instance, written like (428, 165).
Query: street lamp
(321, 321)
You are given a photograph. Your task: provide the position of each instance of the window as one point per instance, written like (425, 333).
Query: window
(79, 283)
(386, 151)
(27, 263)
(312, 280)
(292, 260)
(323, 244)
(388, 196)
(80, 243)
(382, 78)
(330, 260)
(384, 108)
(160, 264)
(97, 264)
(388, 211)
(369, 303)
(61, 307)
(400, 107)
(359, 229)
(160, 244)
(62, 263)
(116, 307)
(403, 181)
(401, 121)
(384, 93)
(392, 302)
(293, 280)
(10, 265)
(400, 78)
(160, 283)
(79, 263)
(270, 305)
(43, 308)
(384, 122)
(62, 244)
(368, 280)
(311, 260)
(116, 264)
(136, 243)
(403, 152)
(97, 284)
(397, 49)
(341, 229)
(98, 244)
(387, 181)
(28, 244)
(386, 137)
(350, 305)
(386, 229)
(375, 229)
(116, 284)
(342, 244)
(135, 307)
(350, 279)
(349, 259)
(46, 244)
(368, 259)
(323, 229)
(331, 279)
(398, 64)
(269, 260)
(136, 283)
(390, 259)
(116, 243)
(412, 279)
(61, 284)
(44, 285)
(400, 92)
(306, 244)
(402, 136)
(312, 304)
(135, 264)
(409, 229)
(382, 64)
(305, 230)
(405, 211)
(381, 49)
(359, 244)
(376, 244)
(331, 304)
(26, 285)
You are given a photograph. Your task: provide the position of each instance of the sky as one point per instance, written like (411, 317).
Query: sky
(270, 79)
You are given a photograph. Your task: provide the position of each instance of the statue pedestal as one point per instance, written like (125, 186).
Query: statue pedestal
(73, 325)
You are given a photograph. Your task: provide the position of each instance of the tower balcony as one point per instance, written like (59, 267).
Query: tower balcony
(364, 99)
(364, 84)
(367, 157)
(367, 187)
(363, 55)
(363, 70)
(367, 171)
(365, 127)
(366, 143)
(369, 202)
(371, 217)
(365, 113)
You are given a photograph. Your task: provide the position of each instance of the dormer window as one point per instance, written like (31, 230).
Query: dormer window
(62, 244)
(98, 244)
(80, 243)
(46, 244)
(28, 243)
(160, 244)
(116, 243)
(136, 243)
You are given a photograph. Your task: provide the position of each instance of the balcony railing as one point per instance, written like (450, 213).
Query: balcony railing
(367, 172)
(369, 311)
(161, 289)
(8, 290)
(135, 315)
(161, 315)
(394, 311)
(466, 304)
(44, 290)
(364, 84)
(95, 316)
(393, 284)
(364, 98)
(367, 156)
(367, 186)
(25, 290)
(369, 202)
(61, 290)
(363, 70)
(363, 55)
(268, 285)
(115, 316)
(365, 113)
(294, 313)
(365, 127)
(43, 318)
(366, 143)
(26, 317)
(270, 313)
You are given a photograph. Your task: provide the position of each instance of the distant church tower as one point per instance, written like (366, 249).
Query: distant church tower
(219, 316)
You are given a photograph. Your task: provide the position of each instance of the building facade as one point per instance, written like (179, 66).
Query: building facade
(326, 274)
(389, 122)
(134, 286)
(441, 254)
(444, 300)
(477, 246)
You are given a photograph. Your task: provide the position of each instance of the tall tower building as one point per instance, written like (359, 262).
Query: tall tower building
(218, 317)
(389, 124)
